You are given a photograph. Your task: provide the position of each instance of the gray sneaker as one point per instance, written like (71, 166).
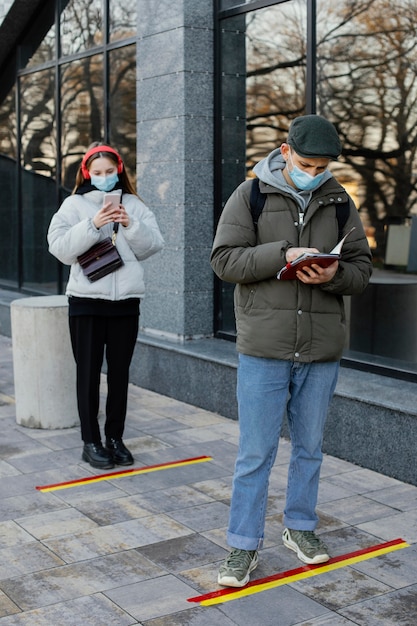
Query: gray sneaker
(309, 548)
(236, 569)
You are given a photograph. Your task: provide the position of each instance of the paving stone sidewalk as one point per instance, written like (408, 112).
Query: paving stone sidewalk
(135, 549)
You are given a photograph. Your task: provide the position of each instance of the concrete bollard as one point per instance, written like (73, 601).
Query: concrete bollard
(43, 363)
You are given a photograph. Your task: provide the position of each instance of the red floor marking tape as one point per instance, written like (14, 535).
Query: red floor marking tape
(130, 472)
(306, 571)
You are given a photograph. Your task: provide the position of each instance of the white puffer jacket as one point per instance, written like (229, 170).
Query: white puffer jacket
(72, 232)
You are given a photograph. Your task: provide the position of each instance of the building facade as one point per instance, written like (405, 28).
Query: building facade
(193, 93)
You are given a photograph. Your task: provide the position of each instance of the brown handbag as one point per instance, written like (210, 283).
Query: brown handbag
(101, 259)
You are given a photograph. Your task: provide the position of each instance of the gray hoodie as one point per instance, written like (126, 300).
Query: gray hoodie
(269, 171)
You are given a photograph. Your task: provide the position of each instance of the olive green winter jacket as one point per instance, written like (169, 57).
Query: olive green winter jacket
(288, 319)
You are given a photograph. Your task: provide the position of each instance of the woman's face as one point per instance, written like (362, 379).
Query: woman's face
(102, 166)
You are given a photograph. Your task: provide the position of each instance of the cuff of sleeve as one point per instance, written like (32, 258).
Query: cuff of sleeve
(284, 250)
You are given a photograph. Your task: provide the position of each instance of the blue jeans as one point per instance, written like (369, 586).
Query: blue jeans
(265, 388)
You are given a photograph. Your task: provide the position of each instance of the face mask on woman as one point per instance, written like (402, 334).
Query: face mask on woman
(104, 183)
(304, 181)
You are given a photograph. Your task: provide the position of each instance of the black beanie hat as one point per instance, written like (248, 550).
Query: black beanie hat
(312, 136)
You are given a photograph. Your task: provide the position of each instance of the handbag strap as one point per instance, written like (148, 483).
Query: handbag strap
(115, 230)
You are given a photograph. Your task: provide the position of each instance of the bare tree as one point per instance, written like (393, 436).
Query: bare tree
(366, 85)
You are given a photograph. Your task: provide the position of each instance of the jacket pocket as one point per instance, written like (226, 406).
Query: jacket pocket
(245, 296)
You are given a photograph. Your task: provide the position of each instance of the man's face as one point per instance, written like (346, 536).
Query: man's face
(313, 165)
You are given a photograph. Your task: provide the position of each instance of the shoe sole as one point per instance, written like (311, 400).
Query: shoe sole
(319, 558)
(231, 581)
(97, 465)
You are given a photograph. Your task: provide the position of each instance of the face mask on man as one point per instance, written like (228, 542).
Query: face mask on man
(104, 183)
(303, 180)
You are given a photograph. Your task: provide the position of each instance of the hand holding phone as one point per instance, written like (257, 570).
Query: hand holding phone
(112, 211)
(114, 197)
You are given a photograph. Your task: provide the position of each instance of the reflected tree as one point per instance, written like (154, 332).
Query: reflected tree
(8, 131)
(81, 26)
(81, 111)
(37, 123)
(366, 85)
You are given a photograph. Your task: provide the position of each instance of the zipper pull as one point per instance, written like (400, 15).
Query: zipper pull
(301, 218)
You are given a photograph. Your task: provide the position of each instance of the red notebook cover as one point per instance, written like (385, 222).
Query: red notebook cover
(305, 260)
(310, 258)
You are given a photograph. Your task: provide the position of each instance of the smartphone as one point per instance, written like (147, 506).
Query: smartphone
(114, 197)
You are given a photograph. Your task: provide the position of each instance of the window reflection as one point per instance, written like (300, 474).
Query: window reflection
(367, 86)
(42, 53)
(8, 201)
(43, 132)
(122, 20)
(38, 160)
(367, 83)
(37, 123)
(263, 88)
(276, 67)
(122, 64)
(81, 25)
(38, 45)
(8, 129)
(82, 112)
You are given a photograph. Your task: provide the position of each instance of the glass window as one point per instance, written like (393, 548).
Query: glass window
(9, 217)
(38, 46)
(82, 111)
(122, 20)
(276, 68)
(81, 25)
(42, 54)
(8, 126)
(262, 88)
(122, 64)
(64, 105)
(38, 173)
(262, 84)
(366, 85)
(37, 123)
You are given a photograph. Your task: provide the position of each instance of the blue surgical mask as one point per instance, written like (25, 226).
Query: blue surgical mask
(303, 180)
(104, 183)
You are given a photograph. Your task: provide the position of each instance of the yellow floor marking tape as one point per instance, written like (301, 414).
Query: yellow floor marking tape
(290, 576)
(124, 473)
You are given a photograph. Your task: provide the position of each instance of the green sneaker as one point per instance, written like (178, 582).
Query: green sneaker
(309, 548)
(236, 569)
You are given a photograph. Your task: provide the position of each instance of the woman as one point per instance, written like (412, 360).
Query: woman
(103, 314)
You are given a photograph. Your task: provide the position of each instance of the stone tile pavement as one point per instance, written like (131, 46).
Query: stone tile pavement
(134, 549)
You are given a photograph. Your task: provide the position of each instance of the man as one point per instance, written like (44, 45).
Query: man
(290, 333)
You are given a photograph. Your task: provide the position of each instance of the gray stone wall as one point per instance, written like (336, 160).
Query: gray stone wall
(175, 162)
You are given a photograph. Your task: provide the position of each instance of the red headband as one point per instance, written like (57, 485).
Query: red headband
(90, 153)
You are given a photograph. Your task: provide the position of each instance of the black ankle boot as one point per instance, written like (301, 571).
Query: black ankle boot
(97, 456)
(120, 454)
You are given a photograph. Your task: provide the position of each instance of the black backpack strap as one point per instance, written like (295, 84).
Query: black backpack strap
(257, 201)
(342, 214)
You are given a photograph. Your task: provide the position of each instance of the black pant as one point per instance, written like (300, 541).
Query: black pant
(90, 334)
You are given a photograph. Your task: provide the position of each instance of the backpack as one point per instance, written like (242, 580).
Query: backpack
(257, 202)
